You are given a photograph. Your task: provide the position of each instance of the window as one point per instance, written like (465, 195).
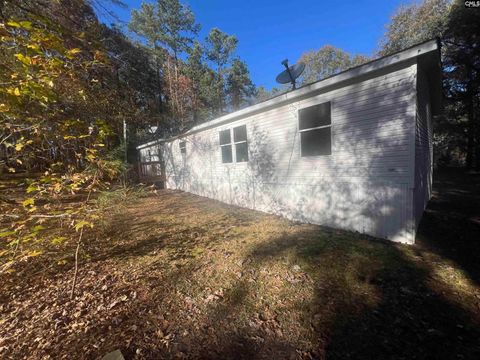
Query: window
(226, 146)
(239, 142)
(183, 150)
(315, 126)
(183, 147)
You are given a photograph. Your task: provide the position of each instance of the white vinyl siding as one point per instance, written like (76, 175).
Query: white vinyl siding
(423, 147)
(364, 185)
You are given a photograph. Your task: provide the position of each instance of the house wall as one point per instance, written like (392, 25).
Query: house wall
(366, 183)
(423, 146)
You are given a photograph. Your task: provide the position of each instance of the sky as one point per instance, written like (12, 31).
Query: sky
(269, 31)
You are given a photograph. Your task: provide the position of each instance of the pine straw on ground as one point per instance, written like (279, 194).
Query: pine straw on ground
(174, 275)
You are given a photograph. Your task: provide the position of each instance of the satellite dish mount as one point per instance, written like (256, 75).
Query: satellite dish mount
(290, 74)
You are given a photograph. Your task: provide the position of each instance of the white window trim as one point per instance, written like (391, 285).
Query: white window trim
(232, 144)
(221, 156)
(182, 147)
(223, 145)
(183, 154)
(315, 128)
(240, 142)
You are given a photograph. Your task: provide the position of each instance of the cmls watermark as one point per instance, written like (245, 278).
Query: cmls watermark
(472, 4)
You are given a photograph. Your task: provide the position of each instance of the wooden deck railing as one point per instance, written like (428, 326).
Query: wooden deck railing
(150, 171)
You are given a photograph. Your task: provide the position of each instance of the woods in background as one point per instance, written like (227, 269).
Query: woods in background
(457, 133)
(327, 61)
(69, 82)
(62, 98)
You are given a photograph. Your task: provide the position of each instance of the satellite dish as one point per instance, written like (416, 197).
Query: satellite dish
(291, 73)
(152, 129)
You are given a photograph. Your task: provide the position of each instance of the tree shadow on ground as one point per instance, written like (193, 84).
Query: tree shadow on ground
(371, 301)
(450, 226)
(189, 277)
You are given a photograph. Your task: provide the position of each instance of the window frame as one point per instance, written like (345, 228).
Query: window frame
(315, 128)
(225, 145)
(235, 143)
(183, 147)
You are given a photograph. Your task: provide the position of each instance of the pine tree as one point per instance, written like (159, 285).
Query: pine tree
(145, 23)
(170, 24)
(202, 81)
(220, 48)
(239, 85)
(462, 74)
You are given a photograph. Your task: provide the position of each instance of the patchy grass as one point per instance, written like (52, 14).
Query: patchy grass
(173, 275)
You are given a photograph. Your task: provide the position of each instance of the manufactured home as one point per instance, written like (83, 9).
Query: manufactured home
(352, 151)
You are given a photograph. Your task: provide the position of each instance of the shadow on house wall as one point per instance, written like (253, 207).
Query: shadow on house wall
(363, 186)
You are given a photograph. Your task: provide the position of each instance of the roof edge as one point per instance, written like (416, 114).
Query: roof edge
(150, 143)
(371, 66)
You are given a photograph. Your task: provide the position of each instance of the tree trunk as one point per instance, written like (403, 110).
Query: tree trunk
(177, 98)
(159, 80)
(220, 90)
(477, 137)
(170, 88)
(235, 97)
(470, 161)
(194, 103)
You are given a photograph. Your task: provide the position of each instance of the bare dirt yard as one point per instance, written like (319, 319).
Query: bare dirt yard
(170, 275)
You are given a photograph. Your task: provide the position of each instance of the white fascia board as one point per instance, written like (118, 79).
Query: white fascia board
(350, 74)
(151, 143)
